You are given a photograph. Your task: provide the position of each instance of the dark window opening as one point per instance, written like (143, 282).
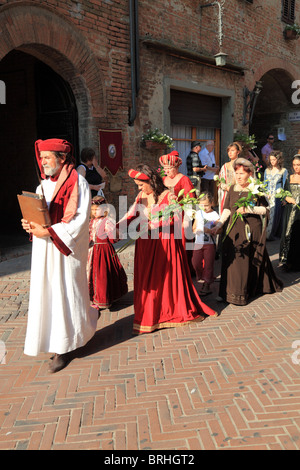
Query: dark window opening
(288, 11)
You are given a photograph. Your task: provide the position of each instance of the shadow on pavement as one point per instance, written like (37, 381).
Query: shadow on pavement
(106, 337)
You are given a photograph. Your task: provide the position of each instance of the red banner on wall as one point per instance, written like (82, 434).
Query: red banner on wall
(111, 157)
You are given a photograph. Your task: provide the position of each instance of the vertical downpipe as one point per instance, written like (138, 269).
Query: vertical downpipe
(134, 57)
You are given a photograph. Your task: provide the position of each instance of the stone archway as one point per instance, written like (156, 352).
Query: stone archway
(272, 110)
(41, 32)
(39, 105)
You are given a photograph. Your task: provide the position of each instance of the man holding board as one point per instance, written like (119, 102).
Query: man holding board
(60, 319)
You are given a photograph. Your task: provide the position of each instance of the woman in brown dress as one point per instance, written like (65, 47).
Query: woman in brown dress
(246, 267)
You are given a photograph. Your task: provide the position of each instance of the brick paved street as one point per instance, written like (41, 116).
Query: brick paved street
(231, 382)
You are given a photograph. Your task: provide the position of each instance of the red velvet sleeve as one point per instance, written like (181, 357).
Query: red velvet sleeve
(130, 215)
(186, 184)
(59, 243)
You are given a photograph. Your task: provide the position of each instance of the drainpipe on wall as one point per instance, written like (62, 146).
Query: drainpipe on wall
(134, 57)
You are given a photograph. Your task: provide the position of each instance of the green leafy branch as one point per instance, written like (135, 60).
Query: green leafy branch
(186, 204)
(255, 188)
(282, 194)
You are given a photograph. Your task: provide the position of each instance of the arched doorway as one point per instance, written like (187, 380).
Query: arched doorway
(56, 107)
(56, 41)
(39, 104)
(272, 111)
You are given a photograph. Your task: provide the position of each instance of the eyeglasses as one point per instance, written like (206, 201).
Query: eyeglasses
(270, 138)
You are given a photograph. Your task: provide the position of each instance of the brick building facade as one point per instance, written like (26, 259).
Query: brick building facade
(72, 68)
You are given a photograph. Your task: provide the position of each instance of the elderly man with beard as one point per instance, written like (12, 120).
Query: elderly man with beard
(60, 319)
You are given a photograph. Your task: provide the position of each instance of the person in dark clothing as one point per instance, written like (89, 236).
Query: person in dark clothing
(194, 166)
(246, 269)
(91, 170)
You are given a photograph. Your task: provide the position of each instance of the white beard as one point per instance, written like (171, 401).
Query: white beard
(52, 171)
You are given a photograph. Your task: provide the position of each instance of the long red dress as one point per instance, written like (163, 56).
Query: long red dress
(106, 276)
(184, 183)
(164, 294)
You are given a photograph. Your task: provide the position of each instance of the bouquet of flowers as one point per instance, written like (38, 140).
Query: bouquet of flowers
(258, 168)
(185, 204)
(167, 214)
(219, 180)
(282, 194)
(256, 188)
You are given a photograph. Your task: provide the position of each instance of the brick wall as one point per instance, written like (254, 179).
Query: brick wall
(253, 37)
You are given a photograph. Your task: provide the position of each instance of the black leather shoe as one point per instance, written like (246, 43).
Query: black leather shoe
(59, 362)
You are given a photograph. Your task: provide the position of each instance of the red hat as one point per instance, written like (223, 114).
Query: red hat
(54, 145)
(51, 145)
(171, 159)
(138, 175)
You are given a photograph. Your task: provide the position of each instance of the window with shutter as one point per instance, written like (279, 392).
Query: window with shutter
(288, 11)
(194, 116)
(193, 109)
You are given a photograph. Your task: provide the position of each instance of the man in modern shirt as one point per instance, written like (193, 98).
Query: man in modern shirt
(267, 149)
(207, 158)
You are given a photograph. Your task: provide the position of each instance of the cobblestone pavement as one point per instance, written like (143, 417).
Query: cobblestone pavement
(231, 382)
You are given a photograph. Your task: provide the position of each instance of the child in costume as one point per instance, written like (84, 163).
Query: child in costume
(106, 276)
(205, 247)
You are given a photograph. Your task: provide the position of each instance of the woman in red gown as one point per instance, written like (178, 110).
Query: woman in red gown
(164, 295)
(174, 180)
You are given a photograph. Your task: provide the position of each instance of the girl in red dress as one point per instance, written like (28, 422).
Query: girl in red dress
(106, 276)
(164, 295)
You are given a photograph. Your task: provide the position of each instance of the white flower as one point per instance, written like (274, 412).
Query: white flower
(253, 188)
(216, 178)
(190, 213)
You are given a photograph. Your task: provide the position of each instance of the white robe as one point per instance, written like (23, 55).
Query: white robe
(60, 318)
